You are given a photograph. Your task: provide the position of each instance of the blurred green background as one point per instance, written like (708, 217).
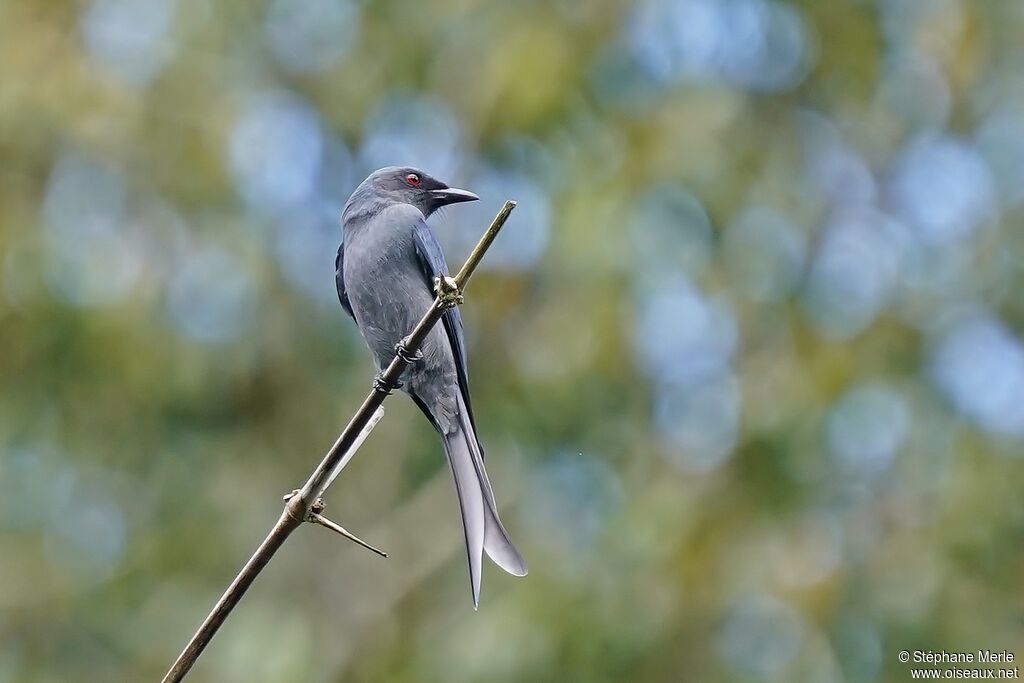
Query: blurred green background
(747, 358)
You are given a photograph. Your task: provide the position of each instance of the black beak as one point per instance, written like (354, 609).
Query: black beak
(452, 195)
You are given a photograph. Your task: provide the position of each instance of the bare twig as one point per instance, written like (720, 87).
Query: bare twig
(299, 507)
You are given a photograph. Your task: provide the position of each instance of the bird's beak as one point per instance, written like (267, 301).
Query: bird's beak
(453, 195)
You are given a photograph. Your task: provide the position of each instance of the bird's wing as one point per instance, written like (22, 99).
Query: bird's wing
(339, 280)
(433, 265)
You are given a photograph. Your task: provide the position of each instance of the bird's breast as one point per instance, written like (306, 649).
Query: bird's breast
(387, 291)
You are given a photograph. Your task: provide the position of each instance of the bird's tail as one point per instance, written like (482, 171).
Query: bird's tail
(480, 521)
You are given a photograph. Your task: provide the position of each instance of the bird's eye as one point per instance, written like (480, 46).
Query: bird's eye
(412, 179)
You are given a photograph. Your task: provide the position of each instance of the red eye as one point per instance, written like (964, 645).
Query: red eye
(412, 179)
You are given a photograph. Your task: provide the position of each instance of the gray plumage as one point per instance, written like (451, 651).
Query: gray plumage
(385, 277)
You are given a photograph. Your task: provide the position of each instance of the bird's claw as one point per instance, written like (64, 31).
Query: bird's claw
(447, 290)
(380, 385)
(402, 351)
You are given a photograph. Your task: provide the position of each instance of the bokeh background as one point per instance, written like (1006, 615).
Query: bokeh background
(747, 358)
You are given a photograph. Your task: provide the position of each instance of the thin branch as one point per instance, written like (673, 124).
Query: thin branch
(299, 507)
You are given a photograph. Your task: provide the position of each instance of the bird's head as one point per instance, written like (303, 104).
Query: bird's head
(407, 185)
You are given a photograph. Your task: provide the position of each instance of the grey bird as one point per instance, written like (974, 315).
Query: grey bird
(385, 273)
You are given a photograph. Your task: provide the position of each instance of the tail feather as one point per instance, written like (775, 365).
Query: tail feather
(497, 543)
(482, 526)
(471, 504)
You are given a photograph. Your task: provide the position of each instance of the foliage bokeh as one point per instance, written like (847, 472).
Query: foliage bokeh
(747, 358)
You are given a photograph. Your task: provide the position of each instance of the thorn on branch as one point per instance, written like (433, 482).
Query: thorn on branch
(337, 528)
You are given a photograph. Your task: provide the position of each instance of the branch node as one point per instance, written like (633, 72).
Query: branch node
(337, 528)
(447, 290)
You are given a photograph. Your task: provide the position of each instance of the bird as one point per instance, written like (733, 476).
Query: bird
(387, 266)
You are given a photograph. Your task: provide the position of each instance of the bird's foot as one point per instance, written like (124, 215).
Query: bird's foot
(294, 492)
(402, 351)
(447, 290)
(380, 385)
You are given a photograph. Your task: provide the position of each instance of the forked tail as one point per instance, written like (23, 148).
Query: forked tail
(482, 526)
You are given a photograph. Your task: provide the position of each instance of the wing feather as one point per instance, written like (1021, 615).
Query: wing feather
(339, 280)
(432, 264)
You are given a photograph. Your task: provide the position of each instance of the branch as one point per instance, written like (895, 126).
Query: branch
(304, 505)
